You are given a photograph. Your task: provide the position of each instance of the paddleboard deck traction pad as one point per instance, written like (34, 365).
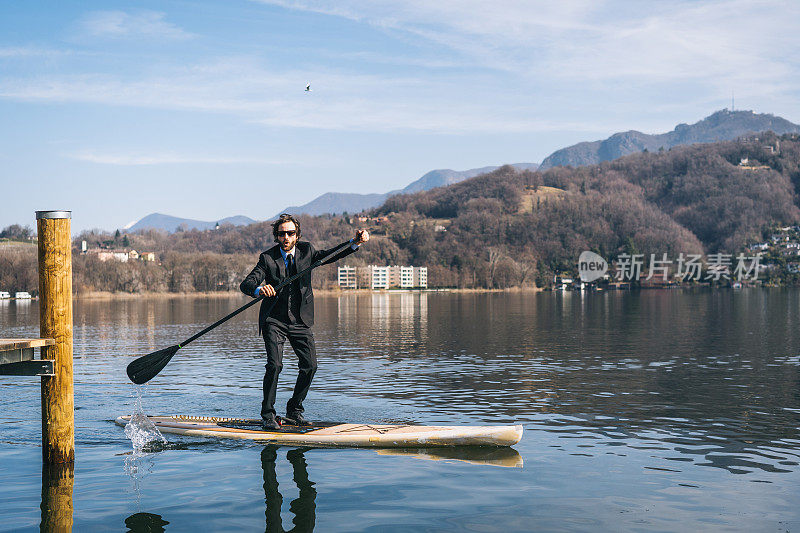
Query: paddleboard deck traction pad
(254, 424)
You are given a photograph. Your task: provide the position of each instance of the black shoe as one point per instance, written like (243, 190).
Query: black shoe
(270, 424)
(296, 419)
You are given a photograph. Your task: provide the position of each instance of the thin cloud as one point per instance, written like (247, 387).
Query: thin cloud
(594, 40)
(386, 59)
(532, 59)
(164, 159)
(339, 102)
(120, 24)
(27, 51)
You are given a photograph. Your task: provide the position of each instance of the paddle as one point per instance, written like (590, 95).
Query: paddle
(145, 368)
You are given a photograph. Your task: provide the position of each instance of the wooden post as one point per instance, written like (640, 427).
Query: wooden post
(55, 322)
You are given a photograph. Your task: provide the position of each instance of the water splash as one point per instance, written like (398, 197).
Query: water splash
(145, 439)
(145, 436)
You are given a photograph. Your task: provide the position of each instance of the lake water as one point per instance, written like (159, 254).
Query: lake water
(643, 411)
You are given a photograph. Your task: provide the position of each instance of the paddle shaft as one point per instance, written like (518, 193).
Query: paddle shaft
(281, 285)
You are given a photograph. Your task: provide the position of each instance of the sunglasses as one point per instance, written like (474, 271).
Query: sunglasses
(290, 233)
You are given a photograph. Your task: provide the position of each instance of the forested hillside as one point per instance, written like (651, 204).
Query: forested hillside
(688, 199)
(506, 228)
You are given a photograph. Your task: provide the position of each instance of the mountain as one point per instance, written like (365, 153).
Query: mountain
(440, 178)
(330, 202)
(171, 224)
(700, 198)
(515, 228)
(721, 126)
(336, 202)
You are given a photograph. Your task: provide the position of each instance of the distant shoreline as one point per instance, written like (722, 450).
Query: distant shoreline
(102, 295)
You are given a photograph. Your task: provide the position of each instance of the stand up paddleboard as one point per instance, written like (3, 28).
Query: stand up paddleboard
(324, 434)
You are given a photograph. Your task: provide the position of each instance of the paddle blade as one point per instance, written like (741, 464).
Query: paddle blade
(145, 368)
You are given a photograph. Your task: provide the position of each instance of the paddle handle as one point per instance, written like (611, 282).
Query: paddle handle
(282, 284)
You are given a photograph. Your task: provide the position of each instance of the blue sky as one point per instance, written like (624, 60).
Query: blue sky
(197, 109)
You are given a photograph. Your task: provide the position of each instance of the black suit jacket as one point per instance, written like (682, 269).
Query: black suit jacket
(271, 270)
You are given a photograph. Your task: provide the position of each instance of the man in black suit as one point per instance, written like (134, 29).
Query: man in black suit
(288, 314)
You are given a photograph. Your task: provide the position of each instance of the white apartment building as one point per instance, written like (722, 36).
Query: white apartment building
(379, 276)
(383, 277)
(347, 277)
(420, 277)
(401, 276)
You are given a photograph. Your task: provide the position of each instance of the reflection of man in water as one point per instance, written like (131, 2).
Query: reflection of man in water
(303, 507)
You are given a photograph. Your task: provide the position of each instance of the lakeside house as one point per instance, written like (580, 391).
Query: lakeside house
(561, 283)
(123, 256)
(375, 220)
(745, 164)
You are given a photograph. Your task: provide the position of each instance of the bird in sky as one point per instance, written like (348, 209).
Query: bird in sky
(308, 88)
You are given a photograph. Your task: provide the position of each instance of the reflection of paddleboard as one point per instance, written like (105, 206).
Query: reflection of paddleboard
(338, 434)
(495, 456)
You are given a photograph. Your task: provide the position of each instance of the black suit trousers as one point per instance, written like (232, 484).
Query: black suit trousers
(301, 339)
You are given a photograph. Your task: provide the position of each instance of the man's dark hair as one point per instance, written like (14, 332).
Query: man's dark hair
(285, 217)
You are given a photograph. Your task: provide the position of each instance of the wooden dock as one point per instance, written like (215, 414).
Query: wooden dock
(17, 357)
